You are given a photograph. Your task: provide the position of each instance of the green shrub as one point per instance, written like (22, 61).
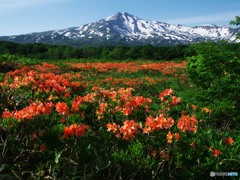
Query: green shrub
(217, 72)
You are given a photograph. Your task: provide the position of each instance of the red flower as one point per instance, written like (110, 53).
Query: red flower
(40, 133)
(216, 152)
(229, 141)
(193, 144)
(34, 136)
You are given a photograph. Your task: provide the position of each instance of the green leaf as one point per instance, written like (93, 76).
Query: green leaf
(52, 163)
(86, 178)
(89, 146)
(77, 177)
(220, 142)
(97, 158)
(2, 168)
(6, 176)
(105, 165)
(17, 174)
(58, 156)
(78, 172)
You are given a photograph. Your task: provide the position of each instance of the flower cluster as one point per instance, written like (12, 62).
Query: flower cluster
(29, 112)
(75, 130)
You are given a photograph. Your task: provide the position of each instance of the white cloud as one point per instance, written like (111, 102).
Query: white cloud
(211, 19)
(9, 5)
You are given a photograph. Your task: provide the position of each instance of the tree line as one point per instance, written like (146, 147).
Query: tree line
(119, 52)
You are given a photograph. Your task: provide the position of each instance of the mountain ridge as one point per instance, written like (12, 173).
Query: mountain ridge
(124, 28)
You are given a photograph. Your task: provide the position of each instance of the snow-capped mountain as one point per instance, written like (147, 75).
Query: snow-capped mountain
(125, 28)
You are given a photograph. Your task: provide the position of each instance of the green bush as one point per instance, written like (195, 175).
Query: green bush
(217, 72)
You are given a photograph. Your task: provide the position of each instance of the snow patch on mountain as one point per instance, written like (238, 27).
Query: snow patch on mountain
(123, 26)
(68, 34)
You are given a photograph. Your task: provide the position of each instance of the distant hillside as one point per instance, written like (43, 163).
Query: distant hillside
(128, 30)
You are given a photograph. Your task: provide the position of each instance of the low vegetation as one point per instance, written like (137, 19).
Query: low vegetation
(121, 120)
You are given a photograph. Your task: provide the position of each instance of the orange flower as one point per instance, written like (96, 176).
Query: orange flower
(216, 152)
(193, 145)
(194, 107)
(33, 109)
(6, 114)
(41, 108)
(229, 141)
(177, 136)
(42, 147)
(126, 111)
(184, 112)
(118, 135)
(154, 153)
(40, 133)
(165, 156)
(207, 110)
(112, 127)
(224, 140)
(169, 137)
(80, 131)
(211, 149)
(75, 130)
(34, 136)
(62, 108)
(168, 92)
(145, 130)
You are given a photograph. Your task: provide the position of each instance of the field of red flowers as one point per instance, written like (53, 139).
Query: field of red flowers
(136, 120)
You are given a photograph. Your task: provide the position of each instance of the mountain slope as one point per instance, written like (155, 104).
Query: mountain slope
(123, 28)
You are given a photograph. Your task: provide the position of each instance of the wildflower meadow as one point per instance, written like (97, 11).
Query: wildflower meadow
(139, 119)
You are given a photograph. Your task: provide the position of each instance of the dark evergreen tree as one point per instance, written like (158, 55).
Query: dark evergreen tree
(105, 52)
(133, 53)
(90, 52)
(69, 52)
(39, 48)
(117, 53)
(147, 51)
(22, 50)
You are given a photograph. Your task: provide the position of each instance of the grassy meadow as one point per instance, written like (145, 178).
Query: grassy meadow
(94, 119)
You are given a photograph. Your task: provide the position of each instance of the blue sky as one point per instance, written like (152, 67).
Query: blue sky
(27, 16)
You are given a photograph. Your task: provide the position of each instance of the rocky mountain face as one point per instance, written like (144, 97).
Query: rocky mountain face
(126, 29)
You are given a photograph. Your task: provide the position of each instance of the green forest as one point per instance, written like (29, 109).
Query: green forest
(54, 52)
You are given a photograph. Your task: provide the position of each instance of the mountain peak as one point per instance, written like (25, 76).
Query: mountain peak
(127, 28)
(118, 15)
